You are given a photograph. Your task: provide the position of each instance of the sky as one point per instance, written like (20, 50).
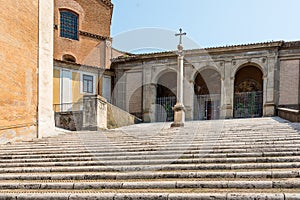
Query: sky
(208, 23)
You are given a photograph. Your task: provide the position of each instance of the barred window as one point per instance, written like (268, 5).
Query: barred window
(88, 83)
(68, 25)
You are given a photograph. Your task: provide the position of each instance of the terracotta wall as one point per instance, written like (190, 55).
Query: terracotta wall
(94, 18)
(18, 74)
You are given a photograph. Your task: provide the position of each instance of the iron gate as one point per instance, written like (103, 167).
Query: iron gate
(164, 109)
(207, 107)
(248, 104)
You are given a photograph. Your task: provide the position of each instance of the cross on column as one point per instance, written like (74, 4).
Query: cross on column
(180, 34)
(179, 110)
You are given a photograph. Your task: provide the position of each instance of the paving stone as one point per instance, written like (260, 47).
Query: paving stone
(250, 184)
(149, 185)
(42, 196)
(141, 196)
(98, 185)
(286, 184)
(8, 196)
(255, 196)
(292, 196)
(98, 196)
(203, 196)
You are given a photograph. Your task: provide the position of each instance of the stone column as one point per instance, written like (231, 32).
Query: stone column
(228, 92)
(188, 91)
(45, 70)
(179, 110)
(149, 95)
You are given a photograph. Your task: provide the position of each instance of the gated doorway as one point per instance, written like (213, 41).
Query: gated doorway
(207, 89)
(248, 104)
(207, 107)
(166, 97)
(248, 92)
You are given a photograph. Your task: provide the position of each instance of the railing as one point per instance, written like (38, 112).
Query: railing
(207, 107)
(68, 107)
(164, 109)
(248, 104)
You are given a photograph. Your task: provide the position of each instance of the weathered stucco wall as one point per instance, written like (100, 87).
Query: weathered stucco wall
(18, 74)
(289, 82)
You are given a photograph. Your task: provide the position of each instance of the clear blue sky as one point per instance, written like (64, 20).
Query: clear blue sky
(212, 22)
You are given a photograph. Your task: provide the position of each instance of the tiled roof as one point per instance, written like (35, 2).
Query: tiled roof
(209, 50)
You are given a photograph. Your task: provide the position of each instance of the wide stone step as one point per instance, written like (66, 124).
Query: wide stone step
(150, 166)
(113, 150)
(161, 184)
(148, 161)
(68, 195)
(231, 174)
(162, 154)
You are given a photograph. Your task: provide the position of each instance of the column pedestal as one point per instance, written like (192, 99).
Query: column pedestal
(179, 115)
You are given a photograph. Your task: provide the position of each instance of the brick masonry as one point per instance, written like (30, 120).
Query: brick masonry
(18, 74)
(94, 19)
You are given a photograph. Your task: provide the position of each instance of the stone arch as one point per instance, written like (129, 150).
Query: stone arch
(207, 90)
(167, 80)
(161, 72)
(244, 64)
(211, 78)
(166, 91)
(206, 67)
(248, 91)
(72, 6)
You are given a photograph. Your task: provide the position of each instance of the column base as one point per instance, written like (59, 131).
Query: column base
(179, 115)
(177, 125)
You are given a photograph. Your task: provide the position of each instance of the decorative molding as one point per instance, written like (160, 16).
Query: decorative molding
(107, 3)
(291, 44)
(95, 36)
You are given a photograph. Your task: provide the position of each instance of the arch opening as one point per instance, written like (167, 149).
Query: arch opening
(166, 90)
(248, 92)
(207, 95)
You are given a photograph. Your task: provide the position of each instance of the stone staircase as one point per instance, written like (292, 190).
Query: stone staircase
(223, 159)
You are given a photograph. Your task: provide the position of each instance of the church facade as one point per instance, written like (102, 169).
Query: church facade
(82, 51)
(239, 81)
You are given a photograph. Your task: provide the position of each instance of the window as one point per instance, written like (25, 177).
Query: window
(69, 58)
(88, 83)
(68, 25)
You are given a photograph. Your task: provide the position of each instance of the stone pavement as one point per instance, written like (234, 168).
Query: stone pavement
(224, 159)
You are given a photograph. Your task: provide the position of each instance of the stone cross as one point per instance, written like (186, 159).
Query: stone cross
(180, 34)
(179, 110)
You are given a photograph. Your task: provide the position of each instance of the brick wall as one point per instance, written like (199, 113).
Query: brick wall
(289, 82)
(18, 74)
(94, 18)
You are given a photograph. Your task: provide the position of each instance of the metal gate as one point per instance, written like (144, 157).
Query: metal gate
(207, 107)
(164, 109)
(248, 104)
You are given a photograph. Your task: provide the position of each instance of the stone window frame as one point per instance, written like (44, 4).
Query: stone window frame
(88, 83)
(82, 73)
